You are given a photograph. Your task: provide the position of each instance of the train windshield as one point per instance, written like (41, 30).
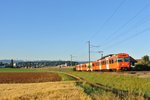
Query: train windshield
(126, 60)
(119, 60)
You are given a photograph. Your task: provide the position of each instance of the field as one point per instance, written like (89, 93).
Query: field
(19, 70)
(122, 82)
(42, 91)
(28, 77)
(131, 83)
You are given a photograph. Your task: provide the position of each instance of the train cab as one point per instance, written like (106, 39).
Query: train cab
(123, 61)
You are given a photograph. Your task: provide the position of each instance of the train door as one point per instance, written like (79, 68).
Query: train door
(100, 65)
(107, 63)
(81, 67)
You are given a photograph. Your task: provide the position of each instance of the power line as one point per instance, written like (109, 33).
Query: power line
(109, 18)
(131, 19)
(123, 24)
(128, 38)
(118, 36)
(89, 51)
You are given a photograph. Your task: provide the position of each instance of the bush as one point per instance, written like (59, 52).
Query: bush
(141, 67)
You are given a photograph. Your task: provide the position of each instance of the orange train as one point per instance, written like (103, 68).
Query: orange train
(117, 62)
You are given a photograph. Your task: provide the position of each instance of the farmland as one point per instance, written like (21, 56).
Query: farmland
(19, 70)
(42, 91)
(28, 77)
(131, 83)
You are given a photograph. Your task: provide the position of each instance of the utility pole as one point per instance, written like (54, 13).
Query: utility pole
(71, 60)
(12, 63)
(89, 53)
(101, 52)
(71, 57)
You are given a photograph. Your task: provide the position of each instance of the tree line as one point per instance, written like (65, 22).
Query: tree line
(143, 64)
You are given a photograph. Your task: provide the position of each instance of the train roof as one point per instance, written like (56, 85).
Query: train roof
(110, 55)
(107, 56)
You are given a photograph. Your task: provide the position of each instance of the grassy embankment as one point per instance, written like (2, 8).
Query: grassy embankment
(133, 84)
(129, 83)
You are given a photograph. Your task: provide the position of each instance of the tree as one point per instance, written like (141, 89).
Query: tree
(145, 60)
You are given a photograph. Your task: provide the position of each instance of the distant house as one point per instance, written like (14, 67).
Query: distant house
(2, 66)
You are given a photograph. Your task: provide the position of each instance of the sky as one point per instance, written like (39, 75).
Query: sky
(56, 29)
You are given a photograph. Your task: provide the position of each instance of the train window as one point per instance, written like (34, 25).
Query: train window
(112, 61)
(97, 63)
(103, 62)
(126, 60)
(119, 60)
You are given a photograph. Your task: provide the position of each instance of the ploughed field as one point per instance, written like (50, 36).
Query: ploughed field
(28, 77)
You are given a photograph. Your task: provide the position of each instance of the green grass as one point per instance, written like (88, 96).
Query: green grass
(129, 83)
(63, 69)
(65, 77)
(96, 93)
(19, 70)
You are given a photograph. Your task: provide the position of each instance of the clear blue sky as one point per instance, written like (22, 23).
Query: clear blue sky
(55, 29)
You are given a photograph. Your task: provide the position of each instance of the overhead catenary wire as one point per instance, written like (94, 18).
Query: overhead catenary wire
(125, 24)
(128, 38)
(117, 37)
(109, 18)
(131, 19)
(138, 13)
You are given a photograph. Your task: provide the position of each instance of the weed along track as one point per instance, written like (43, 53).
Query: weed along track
(120, 93)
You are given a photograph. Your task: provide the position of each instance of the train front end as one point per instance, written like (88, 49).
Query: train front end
(123, 61)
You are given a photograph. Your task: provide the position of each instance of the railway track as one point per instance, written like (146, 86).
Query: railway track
(120, 93)
(127, 72)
